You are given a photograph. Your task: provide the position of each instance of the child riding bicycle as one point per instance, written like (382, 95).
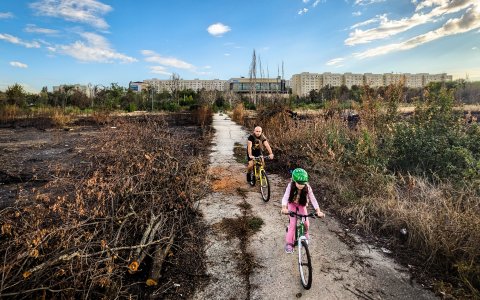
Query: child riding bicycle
(297, 195)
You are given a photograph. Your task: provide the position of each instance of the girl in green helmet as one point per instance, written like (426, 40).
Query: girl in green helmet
(297, 195)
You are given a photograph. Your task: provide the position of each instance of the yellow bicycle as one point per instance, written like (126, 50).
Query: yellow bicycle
(260, 175)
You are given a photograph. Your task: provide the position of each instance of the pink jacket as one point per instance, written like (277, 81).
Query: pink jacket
(310, 196)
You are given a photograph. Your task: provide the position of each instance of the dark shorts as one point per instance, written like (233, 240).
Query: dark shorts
(254, 154)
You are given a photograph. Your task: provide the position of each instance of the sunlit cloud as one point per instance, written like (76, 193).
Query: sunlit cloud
(15, 40)
(159, 70)
(335, 61)
(377, 19)
(367, 2)
(467, 22)
(85, 11)
(93, 48)
(32, 28)
(218, 29)
(357, 13)
(153, 57)
(6, 15)
(18, 64)
(388, 28)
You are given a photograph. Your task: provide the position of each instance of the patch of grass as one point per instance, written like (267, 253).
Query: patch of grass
(240, 153)
(255, 224)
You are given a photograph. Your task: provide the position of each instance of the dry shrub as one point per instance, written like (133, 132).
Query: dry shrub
(103, 230)
(9, 113)
(347, 167)
(203, 115)
(101, 117)
(59, 118)
(239, 113)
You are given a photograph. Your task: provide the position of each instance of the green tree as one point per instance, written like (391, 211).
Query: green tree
(16, 95)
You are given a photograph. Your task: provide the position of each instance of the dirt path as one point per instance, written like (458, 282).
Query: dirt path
(256, 266)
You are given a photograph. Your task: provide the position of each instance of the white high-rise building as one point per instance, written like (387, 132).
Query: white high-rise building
(414, 80)
(305, 82)
(373, 80)
(332, 79)
(196, 84)
(350, 79)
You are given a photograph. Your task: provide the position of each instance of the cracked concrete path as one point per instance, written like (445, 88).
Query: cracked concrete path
(353, 270)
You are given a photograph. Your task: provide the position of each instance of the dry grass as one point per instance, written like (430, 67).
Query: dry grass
(102, 229)
(239, 113)
(443, 223)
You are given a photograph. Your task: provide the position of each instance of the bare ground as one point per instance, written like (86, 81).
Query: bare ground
(244, 264)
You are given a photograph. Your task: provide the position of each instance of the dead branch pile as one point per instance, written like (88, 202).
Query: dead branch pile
(104, 228)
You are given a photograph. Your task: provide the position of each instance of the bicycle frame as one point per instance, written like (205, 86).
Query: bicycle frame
(305, 267)
(258, 166)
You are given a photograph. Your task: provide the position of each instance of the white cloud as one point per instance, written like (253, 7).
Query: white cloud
(18, 64)
(94, 48)
(151, 56)
(377, 19)
(159, 70)
(305, 1)
(317, 2)
(84, 11)
(470, 20)
(6, 15)
(474, 48)
(34, 29)
(207, 67)
(226, 54)
(335, 61)
(303, 11)
(218, 29)
(15, 40)
(357, 13)
(367, 2)
(389, 28)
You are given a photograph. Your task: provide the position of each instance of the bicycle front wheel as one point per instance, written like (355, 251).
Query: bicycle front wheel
(264, 186)
(305, 265)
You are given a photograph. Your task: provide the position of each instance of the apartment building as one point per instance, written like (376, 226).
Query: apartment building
(350, 79)
(393, 78)
(305, 82)
(181, 84)
(414, 80)
(332, 79)
(436, 78)
(373, 80)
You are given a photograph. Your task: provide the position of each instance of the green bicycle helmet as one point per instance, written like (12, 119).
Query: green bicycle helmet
(300, 175)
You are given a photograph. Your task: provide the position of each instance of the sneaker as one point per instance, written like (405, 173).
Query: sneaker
(289, 248)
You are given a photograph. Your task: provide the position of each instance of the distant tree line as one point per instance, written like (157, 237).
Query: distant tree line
(116, 97)
(464, 92)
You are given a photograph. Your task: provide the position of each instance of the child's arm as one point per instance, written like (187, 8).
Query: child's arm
(312, 199)
(285, 198)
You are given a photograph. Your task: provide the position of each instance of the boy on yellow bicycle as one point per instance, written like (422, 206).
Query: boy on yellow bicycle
(255, 145)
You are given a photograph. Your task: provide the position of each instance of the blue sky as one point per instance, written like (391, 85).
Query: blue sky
(52, 42)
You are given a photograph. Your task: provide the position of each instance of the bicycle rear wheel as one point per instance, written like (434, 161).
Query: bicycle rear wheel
(305, 265)
(264, 186)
